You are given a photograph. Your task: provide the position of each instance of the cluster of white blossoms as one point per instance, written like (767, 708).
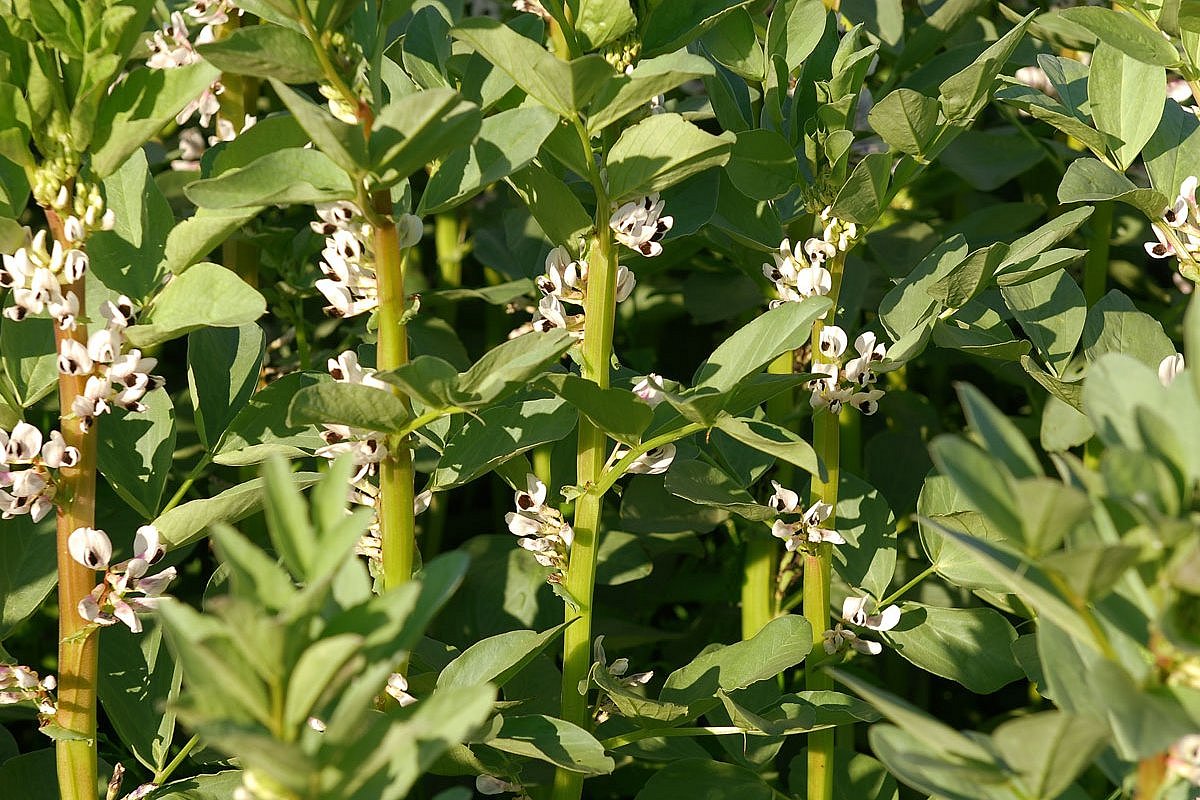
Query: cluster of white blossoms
(126, 589)
(806, 532)
(116, 375)
(40, 272)
(640, 225)
(854, 612)
(1178, 231)
(541, 528)
(30, 490)
(1183, 759)
(22, 685)
(798, 272)
(853, 382)
(367, 449)
(564, 283)
(172, 46)
(348, 260)
(193, 143)
(618, 669)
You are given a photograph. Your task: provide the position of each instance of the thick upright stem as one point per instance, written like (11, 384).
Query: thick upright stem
(818, 565)
(396, 520)
(77, 655)
(580, 581)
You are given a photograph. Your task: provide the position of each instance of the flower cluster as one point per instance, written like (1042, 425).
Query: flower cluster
(806, 532)
(40, 273)
(618, 669)
(640, 225)
(799, 273)
(30, 491)
(565, 282)
(127, 589)
(193, 143)
(1177, 233)
(21, 684)
(1183, 759)
(115, 375)
(348, 260)
(854, 612)
(541, 528)
(172, 46)
(852, 383)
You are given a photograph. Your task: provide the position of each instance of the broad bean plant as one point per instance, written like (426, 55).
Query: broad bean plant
(599, 398)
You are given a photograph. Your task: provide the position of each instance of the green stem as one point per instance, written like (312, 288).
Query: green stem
(600, 315)
(162, 775)
(613, 474)
(78, 654)
(397, 526)
(448, 234)
(818, 564)
(896, 595)
(1095, 265)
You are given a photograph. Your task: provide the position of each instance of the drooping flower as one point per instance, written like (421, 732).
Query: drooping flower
(171, 47)
(397, 688)
(655, 461)
(640, 225)
(799, 272)
(564, 283)
(19, 684)
(127, 589)
(1169, 368)
(31, 490)
(854, 611)
(838, 637)
(650, 389)
(807, 531)
(541, 528)
(852, 383)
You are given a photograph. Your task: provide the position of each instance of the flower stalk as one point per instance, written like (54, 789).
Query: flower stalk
(396, 518)
(78, 651)
(580, 581)
(818, 564)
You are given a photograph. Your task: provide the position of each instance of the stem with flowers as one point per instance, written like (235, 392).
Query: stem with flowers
(78, 649)
(818, 564)
(397, 523)
(580, 580)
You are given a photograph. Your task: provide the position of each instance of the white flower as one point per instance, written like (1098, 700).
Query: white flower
(854, 611)
(346, 369)
(1169, 369)
(799, 273)
(838, 637)
(807, 531)
(533, 498)
(126, 589)
(653, 462)
(90, 547)
(541, 528)
(640, 226)
(397, 687)
(56, 453)
(785, 501)
(832, 342)
(73, 358)
(20, 684)
(650, 389)
(1183, 759)
(24, 444)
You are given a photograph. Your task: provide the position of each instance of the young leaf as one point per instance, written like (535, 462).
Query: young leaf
(772, 440)
(498, 658)
(617, 412)
(188, 522)
(507, 142)
(355, 405)
(265, 51)
(139, 107)
(135, 450)
(668, 26)
(906, 120)
(510, 366)
(762, 165)
(660, 151)
(223, 371)
(563, 87)
(1125, 33)
(205, 295)
(1089, 181)
(554, 740)
(598, 22)
(412, 131)
(971, 646)
(651, 77)
(285, 177)
(1124, 104)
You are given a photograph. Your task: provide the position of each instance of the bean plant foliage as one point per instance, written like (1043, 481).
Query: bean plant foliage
(599, 398)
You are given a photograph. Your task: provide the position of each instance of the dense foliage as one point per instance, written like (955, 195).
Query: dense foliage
(599, 398)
